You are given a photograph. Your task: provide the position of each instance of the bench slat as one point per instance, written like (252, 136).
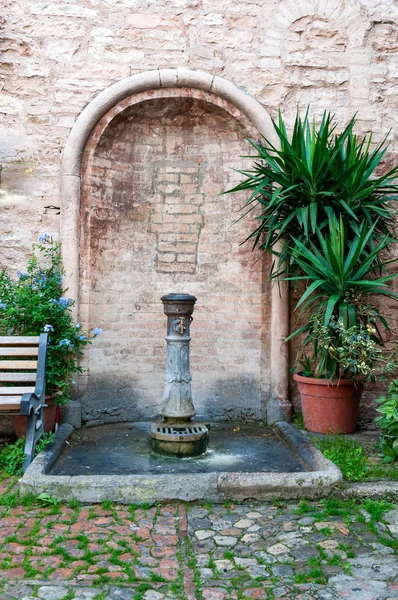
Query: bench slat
(16, 391)
(17, 377)
(12, 403)
(19, 340)
(22, 365)
(20, 351)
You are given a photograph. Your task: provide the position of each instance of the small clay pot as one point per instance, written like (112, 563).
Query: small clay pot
(329, 406)
(20, 425)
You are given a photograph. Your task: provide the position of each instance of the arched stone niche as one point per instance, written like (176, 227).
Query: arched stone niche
(142, 172)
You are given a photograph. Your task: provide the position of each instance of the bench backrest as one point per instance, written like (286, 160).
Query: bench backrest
(22, 369)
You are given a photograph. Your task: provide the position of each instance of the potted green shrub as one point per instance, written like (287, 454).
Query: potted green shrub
(34, 302)
(343, 327)
(328, 220)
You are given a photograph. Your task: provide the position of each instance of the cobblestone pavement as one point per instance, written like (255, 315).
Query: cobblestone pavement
(322, 550)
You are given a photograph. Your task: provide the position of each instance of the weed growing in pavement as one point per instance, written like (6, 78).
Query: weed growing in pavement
(101, 596)
(140, 591)
(83, 541)
(303, 507)
(157, 578)
(30, 571)
(10, 500)
(278, 503)
(376, 508)
(389, 542)
(315, 574)
(298, 420)
(336, 507)
(47, 500)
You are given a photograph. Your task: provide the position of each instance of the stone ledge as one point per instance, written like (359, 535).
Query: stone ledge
(388, 490)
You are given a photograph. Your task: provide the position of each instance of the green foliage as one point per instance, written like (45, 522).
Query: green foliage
(303, 507)
(34, 303)
(341, 280)
(348, 455)
(312, 176)
(12, 456)
(355, 462)
(47, 500)
(388, 421)
(377, 508)
(298, 420)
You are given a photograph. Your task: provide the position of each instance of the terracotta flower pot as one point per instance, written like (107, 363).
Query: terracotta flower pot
(329, 406)
(19, 422)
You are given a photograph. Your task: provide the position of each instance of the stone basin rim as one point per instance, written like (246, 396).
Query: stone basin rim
(322, 476)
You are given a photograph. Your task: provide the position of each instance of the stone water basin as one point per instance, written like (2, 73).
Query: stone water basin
(115, 462)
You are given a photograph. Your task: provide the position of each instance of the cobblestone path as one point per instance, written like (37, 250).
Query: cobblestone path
(322, 550)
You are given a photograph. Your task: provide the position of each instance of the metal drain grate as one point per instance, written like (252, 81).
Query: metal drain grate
(181, 430)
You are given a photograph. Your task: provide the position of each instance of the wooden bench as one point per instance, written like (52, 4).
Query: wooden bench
(23, 384)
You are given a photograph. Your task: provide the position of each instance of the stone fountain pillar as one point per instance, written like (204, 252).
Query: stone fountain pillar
(177, 434)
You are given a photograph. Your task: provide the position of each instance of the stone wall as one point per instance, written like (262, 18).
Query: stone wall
(56, 57)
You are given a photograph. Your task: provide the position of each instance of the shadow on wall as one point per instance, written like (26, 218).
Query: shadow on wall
(223, 400)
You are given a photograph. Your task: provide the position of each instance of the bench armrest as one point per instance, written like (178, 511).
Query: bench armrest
(29, 401)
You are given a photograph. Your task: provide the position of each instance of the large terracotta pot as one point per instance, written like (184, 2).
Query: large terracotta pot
(329, 406)
(19, 422)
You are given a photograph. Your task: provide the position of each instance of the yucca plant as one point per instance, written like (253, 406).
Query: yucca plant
(341, 278)
(313, 176)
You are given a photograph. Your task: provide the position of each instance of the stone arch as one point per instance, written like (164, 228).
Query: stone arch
(214, 87)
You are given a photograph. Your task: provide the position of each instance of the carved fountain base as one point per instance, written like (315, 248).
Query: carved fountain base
(177, 435)
(180, 439)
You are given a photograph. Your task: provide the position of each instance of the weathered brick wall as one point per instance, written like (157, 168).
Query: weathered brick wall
(153, 222)
(335, 54)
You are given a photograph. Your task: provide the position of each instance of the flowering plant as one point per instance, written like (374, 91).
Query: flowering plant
(34, 302)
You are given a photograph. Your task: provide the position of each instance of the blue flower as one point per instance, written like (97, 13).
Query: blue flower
(21, 274)
(44, 238)
(64, 302)
(82, 338)
(97, 331)
(64, 342)
(48, 328)
(2, 305)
